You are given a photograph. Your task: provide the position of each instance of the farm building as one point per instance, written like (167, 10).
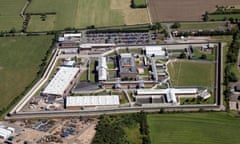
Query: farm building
(77, 102)
(127, 66)
(169, 93)
(61, 82)
(155, 51)
(102, 69)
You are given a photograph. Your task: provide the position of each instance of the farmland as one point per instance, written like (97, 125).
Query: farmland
(20, 58)
(212, 25)
(37, 24)
(83, 13)
(186, 10)
(9, 14)
(187, 73)
(194, 128)
(221, 17)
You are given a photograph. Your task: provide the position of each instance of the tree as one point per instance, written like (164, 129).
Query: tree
(182, 55)
(176, 25)
(204, 56)
(158, 26)
(205, 16)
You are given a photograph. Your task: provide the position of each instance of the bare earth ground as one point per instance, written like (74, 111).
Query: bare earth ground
(131, 16)
(184, 10)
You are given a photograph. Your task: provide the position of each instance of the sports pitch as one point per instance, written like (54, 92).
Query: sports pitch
(194, 128)
(20, 58)
(187, 73)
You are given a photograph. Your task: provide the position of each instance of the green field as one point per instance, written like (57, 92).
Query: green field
(37, 24)
(139, 2)
(20, 58)
(78, 13)
(194, 128)
(220, 17)
(9, 14)
(187, 73)
(202, 25)
(133, 134)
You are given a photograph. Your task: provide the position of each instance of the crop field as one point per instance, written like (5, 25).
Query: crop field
(20, 58)
(83, 13)
(9, 14)
(187, 73)
(186, 10)
(212, 25)
(220, 17)
(194, 128)
(37, 24)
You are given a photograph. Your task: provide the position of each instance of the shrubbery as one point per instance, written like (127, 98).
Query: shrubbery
(110, 128)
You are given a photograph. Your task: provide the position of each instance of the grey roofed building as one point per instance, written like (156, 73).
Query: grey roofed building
(127, 68)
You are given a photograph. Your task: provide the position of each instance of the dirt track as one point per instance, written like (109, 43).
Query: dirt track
(184, 10)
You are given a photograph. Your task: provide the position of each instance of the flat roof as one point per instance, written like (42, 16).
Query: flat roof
(90, 45)
(61, 81)
(156, 50)
(92, 100)
(169, 92)
(72, 35)
(102, 68)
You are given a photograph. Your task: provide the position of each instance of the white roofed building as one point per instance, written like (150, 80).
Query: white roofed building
(60, 83)
(102, 69)
(72, 35)
(76, 102)
(4, 133)
(170, 93)
(155, 51)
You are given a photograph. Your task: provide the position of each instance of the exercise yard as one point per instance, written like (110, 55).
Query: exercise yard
(192, 73)
(20, 58)
(194, 128)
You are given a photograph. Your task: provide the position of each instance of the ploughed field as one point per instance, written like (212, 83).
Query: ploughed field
(184, 10)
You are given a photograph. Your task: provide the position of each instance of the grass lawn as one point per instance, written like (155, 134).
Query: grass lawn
(198, 54)
(9, 14)
(133, 134)
(202, 25)
(193, 101)
(36, 24)
(187, 73)
(20, 58)
(224, 16)
(194, 128)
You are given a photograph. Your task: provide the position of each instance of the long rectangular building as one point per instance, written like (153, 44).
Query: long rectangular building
(92, 101)
(61, 81)
(170, 93)
(102, 69)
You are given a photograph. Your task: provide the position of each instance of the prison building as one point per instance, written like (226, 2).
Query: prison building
(156, 51)
(95, 47)
(102, 69)
(78, 102)
(62, 81)
(127, 68)
(4, 133)
(169, 93)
